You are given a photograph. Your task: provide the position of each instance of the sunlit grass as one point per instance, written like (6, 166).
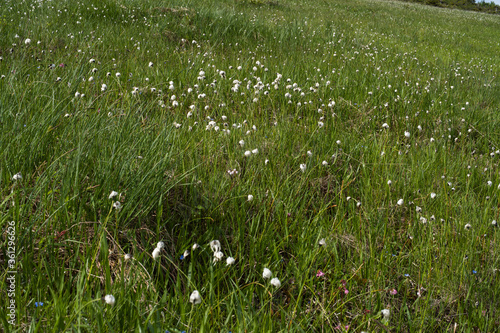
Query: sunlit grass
(343, 154)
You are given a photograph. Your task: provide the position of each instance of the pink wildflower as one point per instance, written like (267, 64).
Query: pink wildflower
(320, 273)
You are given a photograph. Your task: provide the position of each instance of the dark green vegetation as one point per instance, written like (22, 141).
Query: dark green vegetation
(366, 133)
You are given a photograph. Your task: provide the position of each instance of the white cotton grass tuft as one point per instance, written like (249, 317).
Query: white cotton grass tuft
(250, 197)
(266, 274)
(112, 194)
(156, 253)
(468, 226)
(230, 261)
(109, 299)
(218, 256)
(303, 167)
(322, 242)
(433, 195)
(401, 202)
(17, 176)
(215, 246)
(128, 256)
(195, 297)
(275, 282)
(117, 205)
(407, 134)
(160, 245)
(385, 315)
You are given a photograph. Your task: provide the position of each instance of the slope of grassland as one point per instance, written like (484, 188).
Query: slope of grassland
(349, 147)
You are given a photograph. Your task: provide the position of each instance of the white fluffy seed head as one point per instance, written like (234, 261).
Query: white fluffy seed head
(275, 282)
(195, 297)
(215, 246)
(156, 253)
(109, 299)
(266, 274)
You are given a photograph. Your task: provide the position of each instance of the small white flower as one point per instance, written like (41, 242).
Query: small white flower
(104, 87)
(407, 134)
(468, 226)
(322, 242)
(418, 209)
(27, 41)
(150, 64)
(385, 125)
(242, 143)
(92, 61)
(156, 253)
(275, 282)
(215, 245)
(309, 153)
(109, 299)
(230, 261)
(320, 124)
(195, 246)
(160, 245)
(489, 183)
(113, 194)
(118, 74)
(338, 142)
(195, 297)
(303, 167)
(17, 176)
(266, 161)
(494, 223)
(389, 182)
(255, 151)
(400, 202)
(248, 153)
(267, 273)
(250, 197)
(117, 205)
(185, 254)
(128, 256)
(433, 195)
(324, 163)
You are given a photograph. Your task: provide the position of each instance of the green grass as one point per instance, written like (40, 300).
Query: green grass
(318, 80)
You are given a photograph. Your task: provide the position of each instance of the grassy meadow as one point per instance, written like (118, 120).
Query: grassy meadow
(248, 166)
